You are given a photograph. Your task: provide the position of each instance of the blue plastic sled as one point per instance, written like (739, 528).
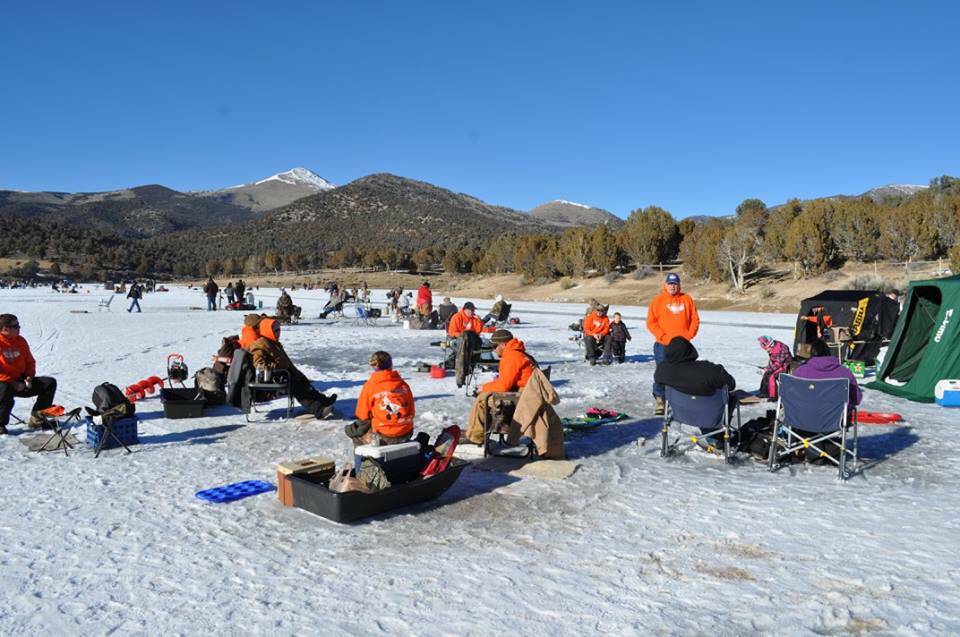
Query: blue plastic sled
(235, 491)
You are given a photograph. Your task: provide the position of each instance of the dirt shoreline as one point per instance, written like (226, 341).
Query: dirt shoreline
(776, 291)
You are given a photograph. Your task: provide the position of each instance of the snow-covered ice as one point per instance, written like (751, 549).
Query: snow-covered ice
(630, 544)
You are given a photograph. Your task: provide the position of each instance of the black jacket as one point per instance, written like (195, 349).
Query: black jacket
(619, 332)
(682, 371)
(445, 311)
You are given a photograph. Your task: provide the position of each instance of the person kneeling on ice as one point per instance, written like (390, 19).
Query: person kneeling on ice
(385, 408)
(778, 363)
(681, 370)
(18, 375)
(268, 354)
(516, 367)
(285, 307)
(823, 365)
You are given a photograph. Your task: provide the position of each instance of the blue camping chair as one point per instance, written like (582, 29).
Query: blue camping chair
(710, 414)
(364, 316)
(810, 414)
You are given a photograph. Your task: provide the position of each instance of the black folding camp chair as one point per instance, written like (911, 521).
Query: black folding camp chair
(276, 384)
(497, 415)
(811, 415)
(107, 425)
(709, 414)
(61, 425)
(501, 319)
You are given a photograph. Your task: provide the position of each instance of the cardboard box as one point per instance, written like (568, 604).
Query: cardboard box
(317, 469)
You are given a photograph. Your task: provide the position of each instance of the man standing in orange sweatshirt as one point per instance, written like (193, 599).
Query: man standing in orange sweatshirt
(671, 313)
(18, 375)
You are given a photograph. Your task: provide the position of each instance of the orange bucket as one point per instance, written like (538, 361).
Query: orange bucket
(437, 371)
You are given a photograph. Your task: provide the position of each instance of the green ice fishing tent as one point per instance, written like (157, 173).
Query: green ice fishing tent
(925, 346)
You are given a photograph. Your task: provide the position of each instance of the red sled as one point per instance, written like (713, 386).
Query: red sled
(442, 454)
(877, 418)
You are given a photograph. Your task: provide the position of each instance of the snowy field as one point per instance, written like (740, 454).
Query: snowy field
(630, 544)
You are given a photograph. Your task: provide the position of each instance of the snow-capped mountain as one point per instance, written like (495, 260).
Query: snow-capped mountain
(273, 191)
(299, 177)
(893, 190)
(561, 212)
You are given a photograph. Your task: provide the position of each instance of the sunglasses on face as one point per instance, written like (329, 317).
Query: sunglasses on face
(13, 327)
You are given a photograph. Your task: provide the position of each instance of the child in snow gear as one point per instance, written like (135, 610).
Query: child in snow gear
(619, 335)
(385, 408)
(779, 362)
(671, 313)
(18, 375)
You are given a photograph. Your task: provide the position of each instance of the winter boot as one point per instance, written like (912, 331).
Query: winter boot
(36, 421)
(661, 407)
(3, 430)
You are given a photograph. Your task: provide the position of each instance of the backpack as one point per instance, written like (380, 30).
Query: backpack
(211, 384)
(225, 354)
(108, 397)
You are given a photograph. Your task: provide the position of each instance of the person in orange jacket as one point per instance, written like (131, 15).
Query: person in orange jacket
(18, 375)
(385, 408)
(596, 334)
(249, 333)
(516, 367)
(464, 321)
(671, 313)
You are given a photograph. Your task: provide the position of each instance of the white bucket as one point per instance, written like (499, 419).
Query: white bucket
(406, 325)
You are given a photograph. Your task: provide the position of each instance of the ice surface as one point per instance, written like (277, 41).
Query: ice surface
(629, 544)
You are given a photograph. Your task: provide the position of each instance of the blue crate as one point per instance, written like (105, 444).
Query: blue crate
(125, 429)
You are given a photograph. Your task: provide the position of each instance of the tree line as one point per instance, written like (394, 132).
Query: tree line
(812, 236)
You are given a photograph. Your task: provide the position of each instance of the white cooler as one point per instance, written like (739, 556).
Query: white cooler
(400, 462)
(947, 393)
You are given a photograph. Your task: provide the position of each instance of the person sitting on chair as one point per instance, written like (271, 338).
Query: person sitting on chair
(823, 364)
(494, 311)
(682, 370)
(385, 408)
(445, 311)
(516, 367)
(18, 375)
(463, 321)
(335, 304)
(285, 307)
(596, 334)
(403, 305)
(268, 354)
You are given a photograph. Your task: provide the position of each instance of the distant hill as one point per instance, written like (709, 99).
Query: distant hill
(144, 211)
(272, 192)
(568, 213)
(893, 190)
(379, 211)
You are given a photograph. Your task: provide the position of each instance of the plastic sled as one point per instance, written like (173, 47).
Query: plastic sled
(878, 418)
(443, 450)
(586, 424)
(235, 491)
(355, 505)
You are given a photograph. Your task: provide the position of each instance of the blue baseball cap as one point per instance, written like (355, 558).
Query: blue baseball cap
(673, 278)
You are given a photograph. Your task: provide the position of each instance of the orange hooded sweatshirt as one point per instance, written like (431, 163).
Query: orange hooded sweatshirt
(596, 325)
(515, 368)
(669, 316)
(266, 352)
(460, 323)
(16, 361)
(247, 336)
(387, 402)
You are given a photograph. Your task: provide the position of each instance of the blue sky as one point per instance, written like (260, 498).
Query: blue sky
(693, 106)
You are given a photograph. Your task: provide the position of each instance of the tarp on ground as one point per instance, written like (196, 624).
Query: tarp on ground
(925, 347)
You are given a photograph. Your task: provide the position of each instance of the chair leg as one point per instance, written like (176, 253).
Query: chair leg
(664, 437)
